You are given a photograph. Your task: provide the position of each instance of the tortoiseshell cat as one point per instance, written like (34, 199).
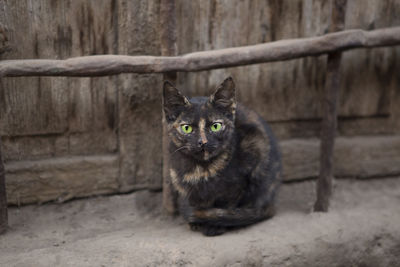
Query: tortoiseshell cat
(225, 161)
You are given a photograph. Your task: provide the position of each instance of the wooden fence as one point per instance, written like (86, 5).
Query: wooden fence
(332, 44)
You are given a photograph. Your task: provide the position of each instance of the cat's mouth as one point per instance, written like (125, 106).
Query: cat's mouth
(206, 155)
(203, 154)
(200, 154)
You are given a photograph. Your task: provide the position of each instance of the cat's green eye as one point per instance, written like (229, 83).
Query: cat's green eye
(216, 127)
(187, 128)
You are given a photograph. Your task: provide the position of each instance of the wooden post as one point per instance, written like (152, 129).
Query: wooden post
(168, 48)
(3, 197)
(329, 120)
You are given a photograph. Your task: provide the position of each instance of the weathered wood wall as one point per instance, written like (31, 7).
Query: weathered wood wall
(112, 121)
(288, 92)
(70, 137)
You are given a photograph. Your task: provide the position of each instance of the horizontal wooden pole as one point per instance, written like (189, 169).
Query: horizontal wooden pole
(103, 65)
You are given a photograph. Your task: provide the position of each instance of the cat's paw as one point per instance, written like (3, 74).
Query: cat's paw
(194, 217)
(196, 227)
(213, 230)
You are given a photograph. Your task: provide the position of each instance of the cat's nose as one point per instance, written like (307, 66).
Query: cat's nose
(201, 143)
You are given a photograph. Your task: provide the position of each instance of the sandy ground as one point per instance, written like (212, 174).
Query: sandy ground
(362, 229)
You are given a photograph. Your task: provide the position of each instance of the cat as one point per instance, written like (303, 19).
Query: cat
(225, 162)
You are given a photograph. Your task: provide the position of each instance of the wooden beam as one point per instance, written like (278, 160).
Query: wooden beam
(168, 48)
(329, 119)
(3, 197)
(103, 65)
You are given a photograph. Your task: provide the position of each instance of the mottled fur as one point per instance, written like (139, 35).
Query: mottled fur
(227, 178)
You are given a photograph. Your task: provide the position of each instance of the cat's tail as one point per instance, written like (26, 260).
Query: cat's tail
(232, 217)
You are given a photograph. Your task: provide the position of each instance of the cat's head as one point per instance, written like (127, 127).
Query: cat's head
(201, 127)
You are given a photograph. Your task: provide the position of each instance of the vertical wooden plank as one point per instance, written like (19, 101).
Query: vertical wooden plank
(35, 105)
(139, 97)
(92, 101)
(168, 48)
(329, 121)
(3, 197)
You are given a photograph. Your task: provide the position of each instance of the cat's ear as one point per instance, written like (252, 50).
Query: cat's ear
(173, 101)
(224, 97)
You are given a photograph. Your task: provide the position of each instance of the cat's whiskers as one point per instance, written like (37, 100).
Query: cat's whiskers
(182, 147)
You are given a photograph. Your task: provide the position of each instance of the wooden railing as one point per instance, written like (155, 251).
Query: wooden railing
(168, 63)
(103, 65)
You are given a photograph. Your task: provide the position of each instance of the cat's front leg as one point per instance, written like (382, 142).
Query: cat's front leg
(188, 212)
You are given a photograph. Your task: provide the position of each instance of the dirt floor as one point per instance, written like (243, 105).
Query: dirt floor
(362, 229)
